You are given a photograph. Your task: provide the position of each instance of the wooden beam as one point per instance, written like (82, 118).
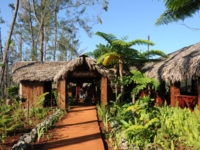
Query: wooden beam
(62, 94)
(174, 90)
(104, 91)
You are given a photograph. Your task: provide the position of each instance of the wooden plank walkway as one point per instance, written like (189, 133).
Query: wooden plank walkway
(78, 130)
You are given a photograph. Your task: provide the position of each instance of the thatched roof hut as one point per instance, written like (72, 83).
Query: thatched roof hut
(36, 71)
(49, 71)
(185, 68)
(81, 63)
(180, 65)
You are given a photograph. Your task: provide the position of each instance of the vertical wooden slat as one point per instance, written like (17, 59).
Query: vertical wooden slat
(30, 89)
(174, 90)
(103, 91)
(62, 94)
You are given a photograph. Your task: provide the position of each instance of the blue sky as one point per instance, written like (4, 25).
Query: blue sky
(135, 19)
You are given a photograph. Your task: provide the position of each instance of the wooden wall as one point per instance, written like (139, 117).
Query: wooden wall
(62, 94)
(31, 89)
(174, 90)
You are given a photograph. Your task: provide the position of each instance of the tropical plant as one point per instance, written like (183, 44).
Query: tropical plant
(178, 10)
(40, 99)
(40, 131)
(146, 57)
(142, 82)
(10, 120)
(12, 91)
(179, 128)
(121, 53)
(101, 49)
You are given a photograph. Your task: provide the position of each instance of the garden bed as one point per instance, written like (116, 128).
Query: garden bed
(19, 134)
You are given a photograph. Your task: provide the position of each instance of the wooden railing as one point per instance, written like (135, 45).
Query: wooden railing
(186, 101)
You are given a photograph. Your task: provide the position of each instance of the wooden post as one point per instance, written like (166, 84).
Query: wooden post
(103, 91)
(158, 96)
(62, 94)
(174, 90)
(198, 93)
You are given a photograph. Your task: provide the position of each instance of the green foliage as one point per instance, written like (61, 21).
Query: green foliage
(178, 10)
(145, 126)
(10, 120)
(40, 99)
(70, 101)
(12, 91)
(40, 131)
(142, 82)
(179, 128)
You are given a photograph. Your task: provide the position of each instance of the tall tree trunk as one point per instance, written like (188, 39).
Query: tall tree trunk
(20, 46)
(1, 51)
(5, 57)
(45, 50)
(121, 78)
(42, 42)
(55, 34)
(41, 28)
(33, 49)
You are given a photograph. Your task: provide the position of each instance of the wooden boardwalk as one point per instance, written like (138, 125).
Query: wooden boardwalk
(78, 130)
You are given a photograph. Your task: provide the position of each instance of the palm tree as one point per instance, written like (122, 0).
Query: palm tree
(178, 10)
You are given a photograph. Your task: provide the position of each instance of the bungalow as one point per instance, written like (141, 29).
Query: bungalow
(36, 78)
(181, 71)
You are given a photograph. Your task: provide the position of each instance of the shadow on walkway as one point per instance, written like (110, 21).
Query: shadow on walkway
(77, 130)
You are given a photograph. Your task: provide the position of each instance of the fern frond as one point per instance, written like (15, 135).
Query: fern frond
(108, 37)
(178, 10)
(152, 53)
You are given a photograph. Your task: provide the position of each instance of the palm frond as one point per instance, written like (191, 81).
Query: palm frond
(178, 10)
(125, 44)
(101, 50)
(140, 42)
(108, 37)
(152, 53)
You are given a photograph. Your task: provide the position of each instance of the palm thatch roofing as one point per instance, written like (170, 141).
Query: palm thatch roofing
(36, 71)
(79, 63)
(182, 64)
(49, 71)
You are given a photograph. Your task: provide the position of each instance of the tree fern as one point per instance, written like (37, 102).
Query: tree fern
(143, 82)
(178, 10)
(108, 37)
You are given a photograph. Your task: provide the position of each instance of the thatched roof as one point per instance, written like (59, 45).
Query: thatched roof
(89, 64)
(49, 71)
(180, 65)
(185, 68)
(36, 71)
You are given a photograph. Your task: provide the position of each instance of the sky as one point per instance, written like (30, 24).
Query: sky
(134, 19)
